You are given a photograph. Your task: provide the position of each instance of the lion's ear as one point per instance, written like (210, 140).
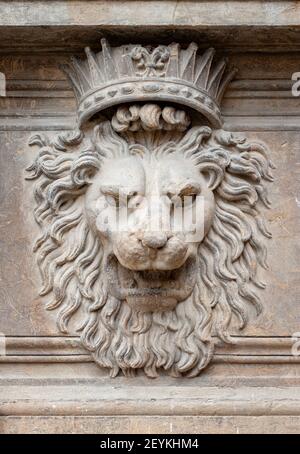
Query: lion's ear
(212, 173)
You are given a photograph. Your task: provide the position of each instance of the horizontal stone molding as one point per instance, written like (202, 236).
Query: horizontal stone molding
(248, 105)
(150, 424)
(40, 25)
(96, 400)
(68, 122)
(149, 13)
(237, 88)
(245, 350)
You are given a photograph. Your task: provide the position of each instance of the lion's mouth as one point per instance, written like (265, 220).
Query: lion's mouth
(150, 290)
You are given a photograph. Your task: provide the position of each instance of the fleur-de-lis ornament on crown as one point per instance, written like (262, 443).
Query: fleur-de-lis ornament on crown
(150, 63)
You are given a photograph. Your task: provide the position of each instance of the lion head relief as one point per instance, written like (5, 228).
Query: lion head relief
(151, 295)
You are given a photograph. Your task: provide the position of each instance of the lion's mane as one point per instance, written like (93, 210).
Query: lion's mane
(69, 254)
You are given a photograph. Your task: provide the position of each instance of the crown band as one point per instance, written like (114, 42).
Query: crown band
(149, 90)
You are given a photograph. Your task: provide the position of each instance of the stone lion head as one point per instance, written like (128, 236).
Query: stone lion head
(150, 293)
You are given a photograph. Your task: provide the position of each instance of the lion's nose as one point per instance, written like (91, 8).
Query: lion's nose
(154, 240)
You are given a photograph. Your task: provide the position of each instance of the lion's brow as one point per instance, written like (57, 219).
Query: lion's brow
(117, 189)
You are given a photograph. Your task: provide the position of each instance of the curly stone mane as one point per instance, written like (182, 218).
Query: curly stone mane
(70, 255)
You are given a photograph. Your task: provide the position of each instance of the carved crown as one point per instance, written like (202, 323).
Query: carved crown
(132, 73)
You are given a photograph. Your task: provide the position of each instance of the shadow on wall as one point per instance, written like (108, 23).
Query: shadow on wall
(2, 85)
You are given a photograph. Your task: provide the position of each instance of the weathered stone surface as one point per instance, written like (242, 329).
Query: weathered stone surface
(150, 425)
(74, 24)
(148, 399)
(249, 387)
(152, 410)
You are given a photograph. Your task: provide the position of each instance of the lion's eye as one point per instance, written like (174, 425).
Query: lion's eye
(183, 200)
(134, 200)
(188, 199)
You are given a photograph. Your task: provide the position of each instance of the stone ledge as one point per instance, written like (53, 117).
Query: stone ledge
(149, 424)
(60, 349)
(35, 25)
(103, 400)
(149, 12)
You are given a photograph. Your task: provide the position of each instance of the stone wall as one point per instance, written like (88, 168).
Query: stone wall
(48, 382)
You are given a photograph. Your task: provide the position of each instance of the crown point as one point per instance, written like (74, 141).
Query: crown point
(209, 54)
(109, 64)
(172, 68)
(203, 68)
(188, 62)
(225, 82)
(104, 42)
(193, 45)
